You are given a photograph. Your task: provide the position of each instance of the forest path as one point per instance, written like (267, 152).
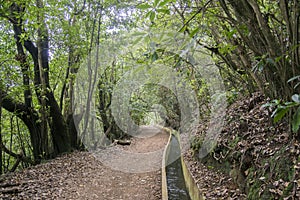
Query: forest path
(81, 175)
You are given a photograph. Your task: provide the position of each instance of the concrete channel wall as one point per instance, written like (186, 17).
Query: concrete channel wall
(190, 183)
(163, 169)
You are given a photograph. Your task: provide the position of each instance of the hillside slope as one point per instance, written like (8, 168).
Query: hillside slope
(253, 156)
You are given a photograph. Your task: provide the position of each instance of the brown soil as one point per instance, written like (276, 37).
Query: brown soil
(81, 176)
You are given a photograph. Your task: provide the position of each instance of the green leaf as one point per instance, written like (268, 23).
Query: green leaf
(296, 98)
(277, 59)
(267, 105)
(154, 57)
(276, 101)
(161, 4)
(291, 104)
(183, 29)
(148, 14)
(231, 33)
(144, 6)
(257, 67)
(194, 32)
(261, 66)
(137, 40)
(279, 113)
(296, 121)
(165, 11)
(152, 16)
(270, 61)
(156, 2)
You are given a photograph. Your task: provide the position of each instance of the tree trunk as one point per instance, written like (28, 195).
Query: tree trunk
(51, 112)
(31, 120)
(58, 127)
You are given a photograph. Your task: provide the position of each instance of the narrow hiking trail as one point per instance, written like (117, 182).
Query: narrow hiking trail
(81, 175)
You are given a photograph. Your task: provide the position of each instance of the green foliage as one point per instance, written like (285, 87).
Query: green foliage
(263, 61)
(282, 108)
(156, 7)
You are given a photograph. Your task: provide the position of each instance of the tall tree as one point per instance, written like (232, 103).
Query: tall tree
(49, 115)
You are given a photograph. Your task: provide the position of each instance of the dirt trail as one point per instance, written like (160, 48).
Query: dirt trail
(81, 176)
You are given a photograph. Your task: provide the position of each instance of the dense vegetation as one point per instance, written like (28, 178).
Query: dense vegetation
(254, 44)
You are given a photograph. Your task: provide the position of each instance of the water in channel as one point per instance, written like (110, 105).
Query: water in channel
(175, 179)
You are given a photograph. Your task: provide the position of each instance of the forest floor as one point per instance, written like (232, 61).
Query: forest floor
(80, 175)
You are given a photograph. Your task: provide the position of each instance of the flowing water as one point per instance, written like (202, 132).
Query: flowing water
(175, 179)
